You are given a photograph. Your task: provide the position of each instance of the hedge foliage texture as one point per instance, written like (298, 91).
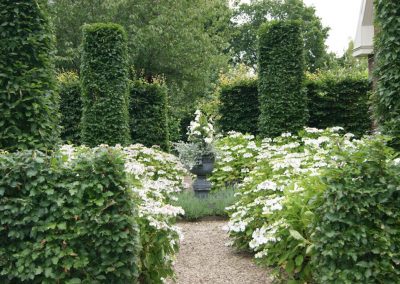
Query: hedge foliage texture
(357, 234)
(149, 114)
(239, 108)
(28, 101)
(105, 90)
(67, 222)
(387, 50)
(283, 103)
(339, 101)
(70, 107)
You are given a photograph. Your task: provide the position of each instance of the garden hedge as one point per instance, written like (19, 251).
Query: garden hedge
(357, 233)
(105, 89)
(70, 107)
(239, 108)
(283, 103)
(66, 222)
(335, 100)
(28, 101)
(387, 50)
(149, 114)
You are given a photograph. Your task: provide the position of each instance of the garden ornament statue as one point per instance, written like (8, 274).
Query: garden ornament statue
(198, 154)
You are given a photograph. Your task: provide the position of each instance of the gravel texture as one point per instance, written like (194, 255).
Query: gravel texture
(204, 258)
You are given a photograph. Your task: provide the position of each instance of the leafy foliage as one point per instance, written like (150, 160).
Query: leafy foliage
(67, 221)
(283, 103)
(339, 98)
(149, 114)
(105, 89)
(28, 101)
(236, 157)
(239, 106)
(251, 15)
(387, 49)
(356, 232)
(70, 106)
(277, 200)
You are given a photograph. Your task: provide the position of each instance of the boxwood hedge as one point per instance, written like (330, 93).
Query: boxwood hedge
(67, 222)
(70, 107)
(105, 90)
(283, 103)
(28, 101)
(149, 114)
(239, 107)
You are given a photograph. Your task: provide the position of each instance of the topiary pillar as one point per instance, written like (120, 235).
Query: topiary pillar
(387, 49)
(105, 90)
(28, 101)
(149, 114)
(283, 104)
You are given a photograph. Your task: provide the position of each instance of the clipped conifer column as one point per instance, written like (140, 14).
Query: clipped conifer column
(28, 101)
(105, 90)
(283, 103)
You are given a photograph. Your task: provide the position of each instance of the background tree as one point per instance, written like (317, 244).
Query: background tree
(250, 16)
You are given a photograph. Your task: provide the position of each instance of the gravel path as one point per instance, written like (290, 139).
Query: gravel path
(204, 258)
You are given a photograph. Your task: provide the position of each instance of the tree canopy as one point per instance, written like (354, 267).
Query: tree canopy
(248, 18)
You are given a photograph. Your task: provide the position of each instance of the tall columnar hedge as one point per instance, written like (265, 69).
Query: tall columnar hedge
(283, 104)
(239, 108)
(70, 107)
(149, 114)
(67, 222)
(387, 49)
(335, 100)
(28, 101)
(105, 89)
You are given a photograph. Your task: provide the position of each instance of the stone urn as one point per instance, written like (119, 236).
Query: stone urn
(201, 185)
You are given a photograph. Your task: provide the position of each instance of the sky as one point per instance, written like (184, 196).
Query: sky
(342, 18)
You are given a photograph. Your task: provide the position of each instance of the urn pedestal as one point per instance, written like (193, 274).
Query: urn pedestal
(201, 185)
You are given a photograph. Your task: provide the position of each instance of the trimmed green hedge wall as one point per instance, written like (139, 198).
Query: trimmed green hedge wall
(28, 101)
(65, 222)
(105, 90)
(387, 50)
(70, 107)
(339, 101)
(149, 114)
(283, 103)
(239, 107)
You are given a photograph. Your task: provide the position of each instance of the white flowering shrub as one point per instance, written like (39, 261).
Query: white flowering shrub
(236, 157)
(155, 178)
(276, 201)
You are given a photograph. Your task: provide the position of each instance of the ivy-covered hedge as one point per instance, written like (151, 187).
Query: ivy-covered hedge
(105, 89)
(239, 108)
(66, 222)
(28, 101)
(70, 107)
(149, 114)
(387, 50)
(283, 103)
(339, 100)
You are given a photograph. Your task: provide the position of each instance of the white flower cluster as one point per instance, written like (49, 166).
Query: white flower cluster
(236, 155)
(200, 129)
(280, 165)
(155, 178)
